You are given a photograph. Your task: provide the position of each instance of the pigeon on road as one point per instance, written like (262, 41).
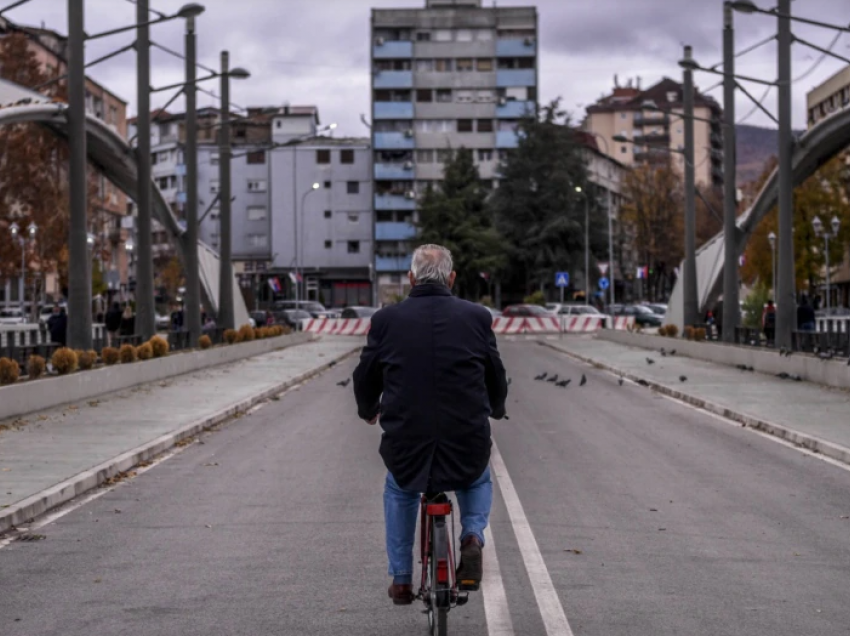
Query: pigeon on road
(620, 381)
(650, 361)
(554, 378)
(562, 384)
(344, 382)
(783, 376)
(542, 376)
(583, 380)
(673, 352)
(683, 378)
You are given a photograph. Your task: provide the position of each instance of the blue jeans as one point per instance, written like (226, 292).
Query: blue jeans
(401, 511)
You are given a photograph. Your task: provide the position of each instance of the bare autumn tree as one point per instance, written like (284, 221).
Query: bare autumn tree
(33, 173)
(653, 206)
(709, 214)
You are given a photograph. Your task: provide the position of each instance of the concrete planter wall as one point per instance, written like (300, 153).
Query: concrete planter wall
(834, 373)
(28, 397)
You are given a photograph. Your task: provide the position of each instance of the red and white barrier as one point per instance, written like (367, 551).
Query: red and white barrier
(337, 326)
(542, 325)
(623, 323)
(508, 326)
(583, 323)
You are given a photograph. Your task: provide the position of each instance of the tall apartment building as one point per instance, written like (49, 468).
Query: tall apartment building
(105, 218)
(454, 74)
(632, 111)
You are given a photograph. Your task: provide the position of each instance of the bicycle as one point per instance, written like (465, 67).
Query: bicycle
(439, 587)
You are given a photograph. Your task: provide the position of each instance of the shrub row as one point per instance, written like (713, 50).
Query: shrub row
(668, 331)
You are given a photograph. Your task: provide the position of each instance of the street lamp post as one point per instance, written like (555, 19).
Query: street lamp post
(226, 317)
(299, 234)
(611, 293)
(586, 246)
(15, 230)
(819, 231)
(772, 238)
(689, 274)
(731, 314)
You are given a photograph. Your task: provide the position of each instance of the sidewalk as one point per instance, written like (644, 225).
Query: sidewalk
(50, 457)
(806, 414)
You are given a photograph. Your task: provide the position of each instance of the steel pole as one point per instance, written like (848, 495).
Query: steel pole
(226, 317)
(689, 275)
(193, 282)
(826, 253)
(731, 312)
(145, 311)
(611, 277)
(786, 313)
(586, 251)
(300, 263)
(79, 282)
(22, 283)
(773, 266)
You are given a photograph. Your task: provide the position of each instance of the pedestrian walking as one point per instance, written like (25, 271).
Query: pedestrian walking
(113, 324)
(805, 315)
(768, 321)
(57, 324)
(128, 322)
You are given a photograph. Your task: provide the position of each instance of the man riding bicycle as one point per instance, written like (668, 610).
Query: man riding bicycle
(432, 371)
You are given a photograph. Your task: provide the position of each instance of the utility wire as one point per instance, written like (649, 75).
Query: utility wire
(753, 47)
(14, 5)
(212, 94)
(159, 14)
(181, 56)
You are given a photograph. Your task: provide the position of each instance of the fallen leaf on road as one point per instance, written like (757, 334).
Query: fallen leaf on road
(212, 464)
(573, 550)
(209, 526)
(662, 529)
(97, 580)
(94, 403)
(653, 509)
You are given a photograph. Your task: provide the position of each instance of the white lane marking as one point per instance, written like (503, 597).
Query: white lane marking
(496, 609)
(551, 610)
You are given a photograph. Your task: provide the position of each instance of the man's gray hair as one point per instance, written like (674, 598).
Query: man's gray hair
(431, 264)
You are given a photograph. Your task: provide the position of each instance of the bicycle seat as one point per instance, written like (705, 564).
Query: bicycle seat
(436, 497)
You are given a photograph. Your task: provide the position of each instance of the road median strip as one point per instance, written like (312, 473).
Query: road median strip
(38, 504)
(804, 440)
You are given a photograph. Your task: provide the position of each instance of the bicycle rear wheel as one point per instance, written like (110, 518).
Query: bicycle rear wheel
(440, 577)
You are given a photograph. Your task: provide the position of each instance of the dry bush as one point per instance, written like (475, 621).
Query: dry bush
(160, 346)
(689, 332)
(9, 371)
(246, 333)
(36, 366)
(110, 356)
(86, 359)
(285, 330)
(700, 334)
(672, 331)
(144, 351)
(230, 336)
(127, 354)
(64, 360)
(204, 342)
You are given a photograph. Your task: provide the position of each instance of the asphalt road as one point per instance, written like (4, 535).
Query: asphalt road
(650, 518)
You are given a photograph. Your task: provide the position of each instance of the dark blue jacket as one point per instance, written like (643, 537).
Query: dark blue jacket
(432, 369)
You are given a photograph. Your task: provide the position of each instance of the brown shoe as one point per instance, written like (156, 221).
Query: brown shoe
(471, 568)
(401, 594)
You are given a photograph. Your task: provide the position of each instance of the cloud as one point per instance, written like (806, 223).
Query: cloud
(317, 51)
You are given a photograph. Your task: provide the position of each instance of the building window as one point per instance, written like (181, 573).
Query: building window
(353, 187)
(214, 158)
(424, 66)
(154, 157)
(354, 247)
(484, 65)
(485, 125)
(346, 156)
(435, 125)
(443, 155)
(444, 95)
(623, 149)
(257, 185)
(328, 214)
(423, 36)
(278, 124)
(328, 245)
(256, 213)
(485, 155)
(486, 96)
(464, 125)
(256, 157)
(463, 35)
(162, 183)
(442, 35)
(164, 130)
(464, 96)
(464, 65)
(424, 156)
(214, 187)
(258, 240)
(323, 156)
(353, 217)
(443, 66)
(424, 95)
(622, 115)
(327, 185)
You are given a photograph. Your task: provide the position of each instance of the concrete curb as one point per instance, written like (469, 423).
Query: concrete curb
(809, 442)
(42, 502)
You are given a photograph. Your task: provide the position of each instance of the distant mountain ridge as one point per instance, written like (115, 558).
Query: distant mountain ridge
(755, 145)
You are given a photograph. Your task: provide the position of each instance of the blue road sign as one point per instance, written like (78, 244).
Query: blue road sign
(604, 283)
(562, 279)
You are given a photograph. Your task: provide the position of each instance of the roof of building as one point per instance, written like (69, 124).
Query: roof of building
(629, 98)
(12, 94)
(589, 141)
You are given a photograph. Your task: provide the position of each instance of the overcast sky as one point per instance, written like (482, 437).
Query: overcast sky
(317, 51)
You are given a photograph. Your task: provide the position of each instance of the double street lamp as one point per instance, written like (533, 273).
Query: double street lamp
(826, 235)
(299, 257)
(772, 239)
(15, 230)
(586, 245)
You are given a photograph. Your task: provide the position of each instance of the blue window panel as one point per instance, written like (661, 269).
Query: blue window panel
(394, 202)
(393, 110)
(514, 110)
(394, 141)
(507, 139)
(516, 48)
(392, 264)
(393, 79)
(393, 172)
(386, 231)
(392, 50)
(181, 197)
(515, 77)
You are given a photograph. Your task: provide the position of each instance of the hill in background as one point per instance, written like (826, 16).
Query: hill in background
(755, 145)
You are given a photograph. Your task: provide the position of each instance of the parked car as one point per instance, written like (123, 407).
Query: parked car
(315, 309)
(643, 316)
(12, 317)
(259, 318)
(495, 313)
(163, 322)
(357, 312)
(526, 311)
(657, 308)
(292, 317)
(575, 309)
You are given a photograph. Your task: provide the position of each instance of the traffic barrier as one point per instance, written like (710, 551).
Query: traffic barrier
(583, 323)
(624, 323)
(337, 326)
(542, 325)
(508, 326)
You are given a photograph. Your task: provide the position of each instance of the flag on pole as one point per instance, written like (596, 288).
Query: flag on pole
(274, 283)
(295, 278)
(484, 275)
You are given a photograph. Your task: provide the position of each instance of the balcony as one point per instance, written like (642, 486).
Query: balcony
(516, 48)
(392, 79)
(515, 77)
(392, 50)
(395, 171)
(392, 263)
(393, 110)
(394, 202)
(507, 139)
(655, 119)
(394, 141)
(653, 138)
(514, 109)
(394, 231)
